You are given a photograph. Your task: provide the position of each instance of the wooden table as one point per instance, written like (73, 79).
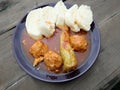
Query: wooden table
(105, 71)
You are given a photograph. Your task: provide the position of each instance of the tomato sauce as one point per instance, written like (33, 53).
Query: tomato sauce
(53, 44)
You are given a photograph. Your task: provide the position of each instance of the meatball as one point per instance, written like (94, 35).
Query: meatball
(78, 43)
(38, 49)
(53, 61)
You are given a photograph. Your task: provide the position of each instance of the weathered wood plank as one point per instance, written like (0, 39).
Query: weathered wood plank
(15, 10)
(9, 70)
(102, 9)
(109, 82)
(107, 62)
(106, 13)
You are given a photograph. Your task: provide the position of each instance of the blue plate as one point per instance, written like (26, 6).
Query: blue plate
(48, 77)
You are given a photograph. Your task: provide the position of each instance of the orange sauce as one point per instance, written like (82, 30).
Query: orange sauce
(53, 44)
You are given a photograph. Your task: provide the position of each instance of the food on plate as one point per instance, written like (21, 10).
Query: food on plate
(48, 21)
(24, 42)
(60, 9)
(32, 23)
(53, 61)
(70, 18)
(78, 43)
(48, 14)
(38, 60)
(40, 22)
(67, 53)
(84, 17)
(38, 49)
(43, 21)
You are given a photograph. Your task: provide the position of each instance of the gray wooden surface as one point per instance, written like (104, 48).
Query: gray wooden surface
(106, 67)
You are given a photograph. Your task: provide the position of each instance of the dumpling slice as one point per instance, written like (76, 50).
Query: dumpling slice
(41, 22)
(48, 21)
(49, 14)
(84, 17)
(70, 18)
(47, 28)
(33, 22)
(60, 9)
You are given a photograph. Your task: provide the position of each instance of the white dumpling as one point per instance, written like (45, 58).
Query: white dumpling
(70, 18)
(60, 9)
(49, 14)
(84, 17)
(48, 23)
(32, 23)
(41, 22)
(47, 29)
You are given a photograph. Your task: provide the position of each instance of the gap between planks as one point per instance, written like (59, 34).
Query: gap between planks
(23, 76)
(100, 23)
(15, 82)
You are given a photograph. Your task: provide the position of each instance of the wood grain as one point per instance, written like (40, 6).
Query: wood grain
(9, 17)
(13, 10)
(106, 14)
(10, 72)
(107, 62)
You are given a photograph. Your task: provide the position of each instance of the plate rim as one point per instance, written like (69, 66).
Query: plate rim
(17, 59)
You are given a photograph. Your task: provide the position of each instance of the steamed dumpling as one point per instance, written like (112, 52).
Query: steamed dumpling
(48, 23)
(41, 22)
(60, 9)
(84, 17)
(49, 14)
(33, 22)
(70, 18)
